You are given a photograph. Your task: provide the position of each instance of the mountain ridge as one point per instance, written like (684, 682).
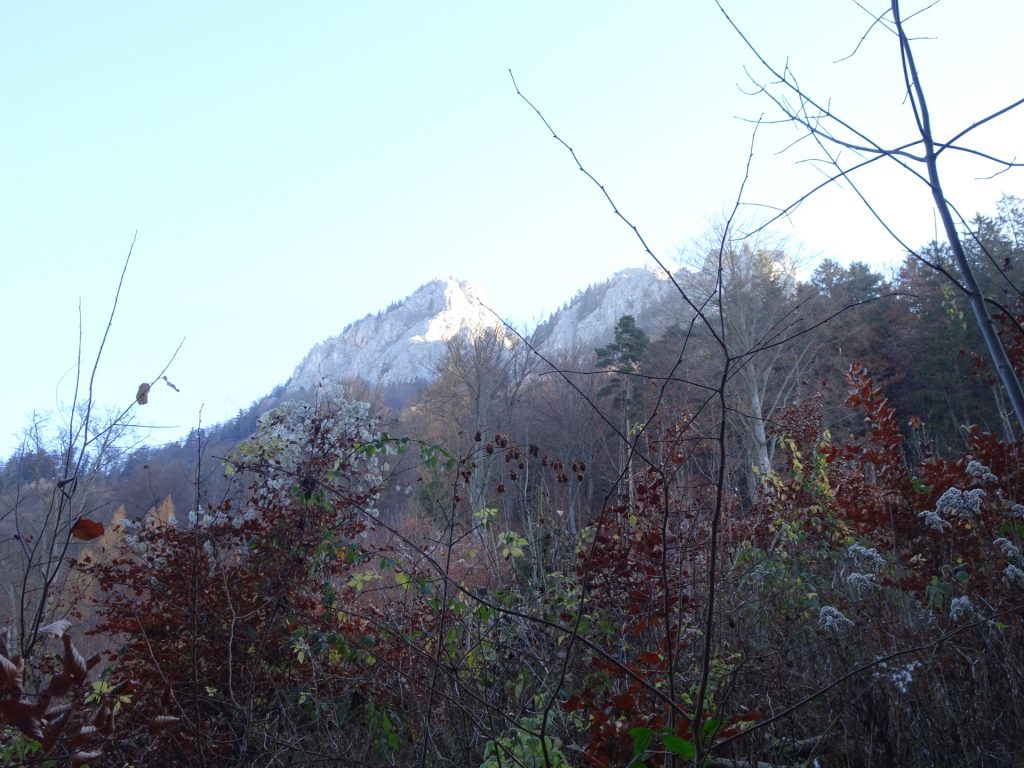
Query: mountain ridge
(404, 343)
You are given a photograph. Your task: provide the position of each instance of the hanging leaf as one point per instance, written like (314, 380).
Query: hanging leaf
(52, 730)
(169, 384)
(87, 530)
(56, 629)
(74, 663)
(12, 673)
(161, 723)
(142, 394)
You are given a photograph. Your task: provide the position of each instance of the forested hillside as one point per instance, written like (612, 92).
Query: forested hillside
(784, 531)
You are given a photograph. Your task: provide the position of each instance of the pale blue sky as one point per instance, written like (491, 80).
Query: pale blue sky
(291, 167)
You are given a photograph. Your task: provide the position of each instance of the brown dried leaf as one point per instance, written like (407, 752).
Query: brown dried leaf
(56, 629)
(74, 664)
(52, 730)
(125, 686)
(58, 709)
(142, 393)
(103, 719)
(108, 727)
(60, 684)
(85, 734)
(87, 530)
(11, 674)
(22, 716)
(161, 723)
(42, 708)
(81, 758)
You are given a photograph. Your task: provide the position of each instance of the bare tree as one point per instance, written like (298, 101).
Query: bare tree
(837, 137)
(59, 491)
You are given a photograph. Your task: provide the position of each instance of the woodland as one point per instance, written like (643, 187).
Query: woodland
(782, 529)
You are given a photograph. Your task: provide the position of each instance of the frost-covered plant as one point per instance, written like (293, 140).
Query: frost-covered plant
(979, 471)
(966, 504)
(1013, 575)
(865, 556)
(901, 677)
(1010, 550)
(934, 521)
(832, 619)
(955, 502)
(203, 518)
(341, 439)
(859, 582)
(960, 608)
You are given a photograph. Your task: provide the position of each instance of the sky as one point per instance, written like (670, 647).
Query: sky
(287, 168)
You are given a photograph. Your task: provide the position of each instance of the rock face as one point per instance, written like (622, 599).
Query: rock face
(403, 344)
(399, 345)
(588, 321)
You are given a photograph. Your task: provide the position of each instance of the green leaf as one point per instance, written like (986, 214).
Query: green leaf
(678, 746)
(709, 729)
(641, 740)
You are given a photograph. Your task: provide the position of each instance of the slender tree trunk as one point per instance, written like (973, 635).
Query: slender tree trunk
(993, 343)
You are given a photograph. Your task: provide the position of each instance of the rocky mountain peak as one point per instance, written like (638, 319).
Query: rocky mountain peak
(401, 344)
(588, 321)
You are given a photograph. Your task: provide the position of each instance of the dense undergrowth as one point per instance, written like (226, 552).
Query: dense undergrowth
(867, 611)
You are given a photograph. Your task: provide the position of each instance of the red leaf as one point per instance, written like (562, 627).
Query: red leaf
(572, 704)
(87, 530)
(624, 701)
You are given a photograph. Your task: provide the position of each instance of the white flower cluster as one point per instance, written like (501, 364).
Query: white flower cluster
(960, 608)
(1010, 550)
(287, 434)
(964, 504)
(859, 581)
(979, 471)
(1013, 575)
(131, 529)
(1017, 510)
(201, 518)
(865, 556)
(901, 677)
(955, 502)
(933, 521)
(832, 620)
(130, 534)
